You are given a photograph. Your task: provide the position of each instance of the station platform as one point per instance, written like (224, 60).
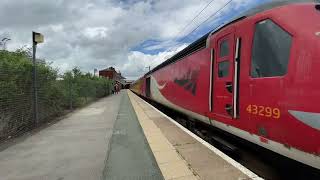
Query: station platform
(74, 147)
(197, 159)
(118, 137)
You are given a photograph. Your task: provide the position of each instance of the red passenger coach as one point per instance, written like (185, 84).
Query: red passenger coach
(256, 77)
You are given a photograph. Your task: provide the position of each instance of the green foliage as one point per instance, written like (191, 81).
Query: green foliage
(55, 93)
(83, 88)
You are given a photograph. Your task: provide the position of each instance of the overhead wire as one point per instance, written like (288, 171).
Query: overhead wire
(205, 7)
(207, 19)
(202, 22)
(215, 13)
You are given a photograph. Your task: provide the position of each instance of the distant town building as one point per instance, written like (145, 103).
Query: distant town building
(111, 73)
(127, 84)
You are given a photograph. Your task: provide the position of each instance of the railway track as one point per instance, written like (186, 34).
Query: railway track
(263, 162)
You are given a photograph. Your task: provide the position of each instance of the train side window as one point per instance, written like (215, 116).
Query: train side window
(224, 48)
(223, 69)
(271, 50)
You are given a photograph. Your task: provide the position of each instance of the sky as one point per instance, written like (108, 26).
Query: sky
(129, 35)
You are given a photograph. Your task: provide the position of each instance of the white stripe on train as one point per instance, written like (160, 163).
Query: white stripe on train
(293, 153)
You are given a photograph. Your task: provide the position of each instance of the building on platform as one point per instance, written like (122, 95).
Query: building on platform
(112, 74)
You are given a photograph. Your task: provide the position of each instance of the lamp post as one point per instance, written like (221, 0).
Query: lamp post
(148, 67)
(36, 39)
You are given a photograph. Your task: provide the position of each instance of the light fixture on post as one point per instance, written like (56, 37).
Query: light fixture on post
(36, 39)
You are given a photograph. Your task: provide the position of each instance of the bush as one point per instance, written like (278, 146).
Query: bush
(82, 88)
(55, 93)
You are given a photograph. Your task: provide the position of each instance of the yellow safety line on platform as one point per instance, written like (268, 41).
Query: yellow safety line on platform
(171, 164)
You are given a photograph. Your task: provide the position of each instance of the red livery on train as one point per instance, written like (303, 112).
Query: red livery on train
(256, 77)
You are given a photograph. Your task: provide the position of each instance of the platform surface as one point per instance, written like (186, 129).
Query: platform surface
(129, 156)
(119, 137)
(101, 141)
(172, 165)
(203, 162)
(73, 148)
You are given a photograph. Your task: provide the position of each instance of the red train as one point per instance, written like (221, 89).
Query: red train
(256, 77)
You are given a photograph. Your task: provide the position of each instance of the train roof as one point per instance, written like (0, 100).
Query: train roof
(201, 42)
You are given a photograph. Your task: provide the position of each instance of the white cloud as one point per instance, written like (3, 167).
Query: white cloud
(96, 32)
(57, 28)
(139, 62)
(100, 33)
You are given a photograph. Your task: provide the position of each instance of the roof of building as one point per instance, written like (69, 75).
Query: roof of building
(118, 74)
(108, 69)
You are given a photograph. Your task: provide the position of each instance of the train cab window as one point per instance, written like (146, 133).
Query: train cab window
(223, 69)
(271, 50)
(224, 48)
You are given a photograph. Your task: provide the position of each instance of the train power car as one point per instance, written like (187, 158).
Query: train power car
(256, 77)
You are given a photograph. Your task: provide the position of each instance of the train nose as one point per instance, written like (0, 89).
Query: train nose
(306, 85)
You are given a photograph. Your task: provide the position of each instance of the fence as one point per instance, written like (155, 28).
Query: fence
(54, 94)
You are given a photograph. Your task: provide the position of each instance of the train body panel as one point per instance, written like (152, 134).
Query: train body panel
(256, 78)
(186, 82)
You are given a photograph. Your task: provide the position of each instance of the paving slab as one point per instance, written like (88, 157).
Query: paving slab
(73, 148)
(203, 162)
(171, 164)
(130, 156)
